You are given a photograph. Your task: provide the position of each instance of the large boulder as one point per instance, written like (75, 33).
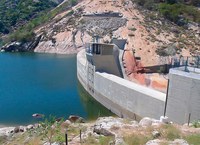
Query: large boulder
(146, 121)
(104, 125)
(179, 142)
(16, 129)
(76, 119)
(29, 127)
(6, 131)
(66, 123)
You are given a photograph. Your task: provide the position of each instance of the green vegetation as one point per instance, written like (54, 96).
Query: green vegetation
(193, 139)
(1, 42)
(180, 13)
(196, 124)
(105, 140)
(170, 132)
(2, 139)
(18, 12)
(30, 18)
(50, 130)
(136, 139)
(177, 11)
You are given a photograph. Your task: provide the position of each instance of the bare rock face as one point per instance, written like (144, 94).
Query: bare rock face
(70, 33)
(21, 46)
(175, 142)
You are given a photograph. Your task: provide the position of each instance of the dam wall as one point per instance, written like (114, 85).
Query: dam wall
(122, 97)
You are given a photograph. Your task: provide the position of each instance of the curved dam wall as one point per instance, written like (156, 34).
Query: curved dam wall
(122, 97)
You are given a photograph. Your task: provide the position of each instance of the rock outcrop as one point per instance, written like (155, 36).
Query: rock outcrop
(21, 46)
(148, 131)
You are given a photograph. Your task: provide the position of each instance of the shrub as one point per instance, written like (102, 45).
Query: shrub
(148, 4)
(196, 124)
(22, 36)
(193, 139)
(170, 132)
(50, 130)
(73, 2)
(103, 140)
(136, 139)
(179, 12)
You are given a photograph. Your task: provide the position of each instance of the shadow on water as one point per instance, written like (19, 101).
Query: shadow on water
(93, 108)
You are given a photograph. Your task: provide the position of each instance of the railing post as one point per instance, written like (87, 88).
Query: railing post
(80, 136)
(189, 119)
(66, 138)
(166, 98)
(186, 64)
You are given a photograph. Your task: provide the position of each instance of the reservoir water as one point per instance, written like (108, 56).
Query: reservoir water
(42, 83)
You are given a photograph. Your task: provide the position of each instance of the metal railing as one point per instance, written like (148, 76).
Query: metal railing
(187, 64)
(193, 61)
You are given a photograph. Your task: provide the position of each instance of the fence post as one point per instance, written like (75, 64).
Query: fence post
(80, 136)
(186, 64)
(189, 119)
(66, 138)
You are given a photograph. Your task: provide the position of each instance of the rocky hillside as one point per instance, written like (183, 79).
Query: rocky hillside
(148, 34)
(103, 131)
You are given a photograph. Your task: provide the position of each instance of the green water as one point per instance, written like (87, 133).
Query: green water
(42, 83)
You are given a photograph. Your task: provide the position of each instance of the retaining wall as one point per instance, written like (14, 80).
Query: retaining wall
(122, 97)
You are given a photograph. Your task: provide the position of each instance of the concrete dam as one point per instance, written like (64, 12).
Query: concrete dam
(100, 71)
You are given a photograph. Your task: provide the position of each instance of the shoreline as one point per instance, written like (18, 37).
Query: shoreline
(7, 126)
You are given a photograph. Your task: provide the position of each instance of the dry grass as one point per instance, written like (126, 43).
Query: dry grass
(137, 139)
